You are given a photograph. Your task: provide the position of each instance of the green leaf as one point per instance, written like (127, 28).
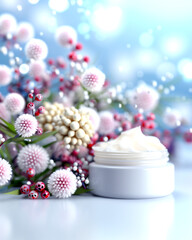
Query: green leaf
(9, 125)
(6, 131)
(2, 153)
(43, 136)
(14, 192)
(49, 144)
(82, 190)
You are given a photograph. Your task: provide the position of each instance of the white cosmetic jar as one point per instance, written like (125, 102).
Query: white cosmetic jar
(131, 175)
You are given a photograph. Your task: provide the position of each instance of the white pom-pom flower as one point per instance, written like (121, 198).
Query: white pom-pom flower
(4, 113)
(62, 183)
(26, 125)
(5, 172)
(5, 75)
(172, 117)
(8, 24)
(36, 49)
(107, 122)
(25, 32)
(14, 103)
(33, 156)
(144, 97)
(37, 68)
(66, 36)
(93, 79)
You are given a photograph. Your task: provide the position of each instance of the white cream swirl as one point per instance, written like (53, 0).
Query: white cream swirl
(132, 147)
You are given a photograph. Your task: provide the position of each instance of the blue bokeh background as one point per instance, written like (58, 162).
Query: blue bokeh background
(130, 41)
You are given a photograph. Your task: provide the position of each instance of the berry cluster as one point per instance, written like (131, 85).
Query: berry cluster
(146, 123)
(34, 189)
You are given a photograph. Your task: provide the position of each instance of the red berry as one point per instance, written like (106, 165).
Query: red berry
(30, 172)
(61, 79)
(61, 88)
(138, 117)
(17, 71)
(50, 61)
(33, 194)
(31, 105)
(37, 113)
(78, 46)
(45, 194)
(41, 109)
(151, 125)
(151, 116)
(188, 137)
(90, 145)
(25, 189)
(86, 59)
(38, 97)
(40, 186)
(30, 95)
(126, 125)
(37, 79)
(72, 56)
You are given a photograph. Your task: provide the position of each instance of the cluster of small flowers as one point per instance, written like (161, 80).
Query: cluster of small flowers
(81, 175)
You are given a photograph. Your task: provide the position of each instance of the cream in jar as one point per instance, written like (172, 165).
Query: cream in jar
(131, 166)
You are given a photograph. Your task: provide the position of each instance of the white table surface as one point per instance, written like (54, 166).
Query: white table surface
(88, 217)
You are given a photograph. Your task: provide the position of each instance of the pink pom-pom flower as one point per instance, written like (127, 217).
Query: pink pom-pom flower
(14, 103)
(33, 156)
(5, 75)
(107, 123)
(62, 183)
(25, 32)
(144, 97)
(66, 36)
(26, 125)
(93, 79)
(36, 49)
(37, 68)
(5, 172)
(7, 24)
(4, 113)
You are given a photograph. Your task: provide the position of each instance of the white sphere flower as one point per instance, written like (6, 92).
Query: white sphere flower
(25, 32)
(66, 36)
(172, 117)
(14, 103)
(5, 172)
(5, 75)
(107, 122)
(144, 97)
(4, 113)
(36, 49)
(8, 24)
(62, 183)
(33, 156)
(94, 117)
(37, 68)
(93, 79)
(26, 125)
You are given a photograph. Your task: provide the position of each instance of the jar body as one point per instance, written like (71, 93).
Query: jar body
(147, 181)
